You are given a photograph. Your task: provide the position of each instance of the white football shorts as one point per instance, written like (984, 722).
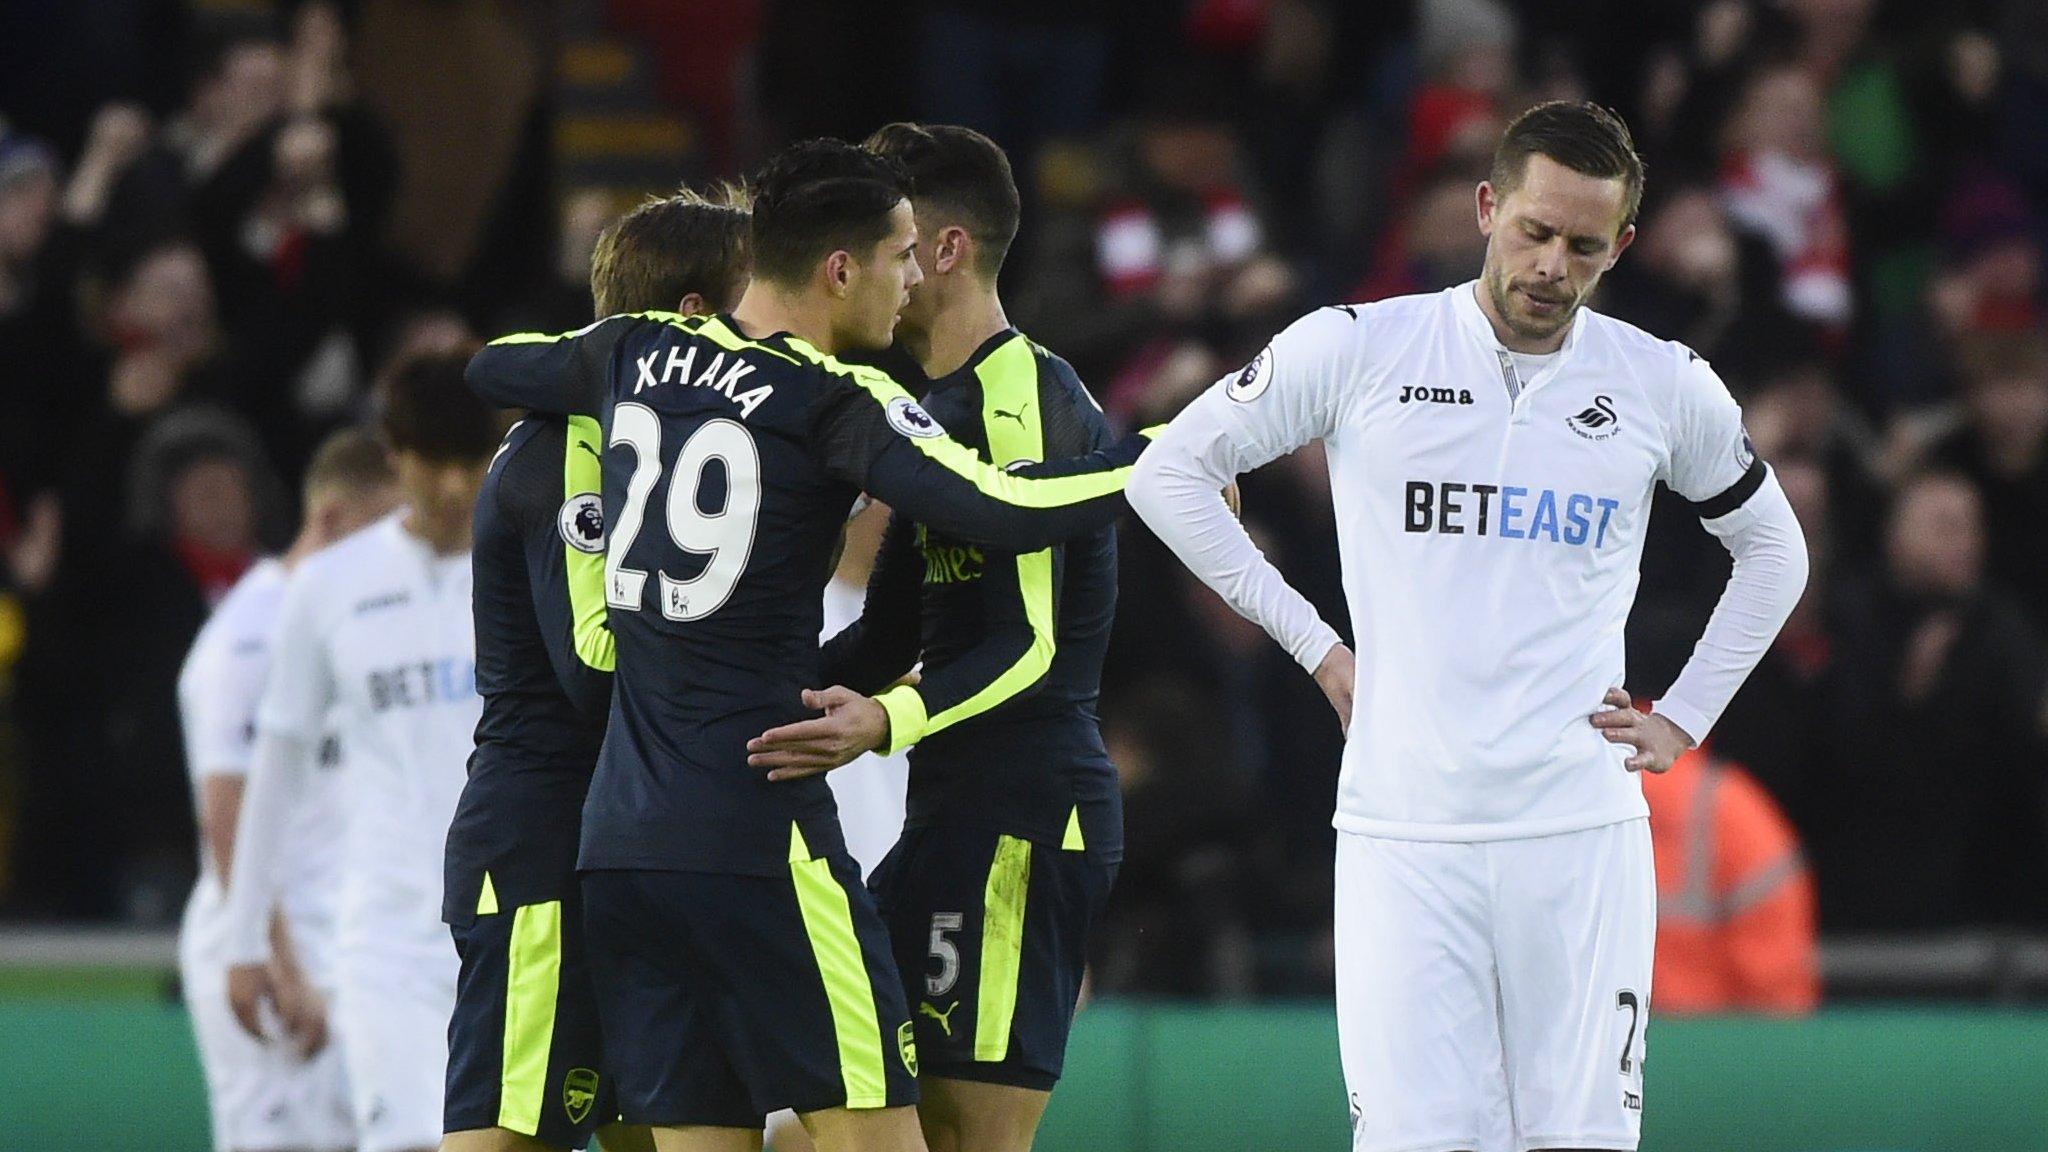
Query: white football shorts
(394, 1014)
(1492, 996)
(260, 1095)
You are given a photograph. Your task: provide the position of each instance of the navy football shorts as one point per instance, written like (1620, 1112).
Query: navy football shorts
(727, 997)
(524, 1049)
(991, 934)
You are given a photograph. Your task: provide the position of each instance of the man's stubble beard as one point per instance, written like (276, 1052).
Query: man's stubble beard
(1503, 303)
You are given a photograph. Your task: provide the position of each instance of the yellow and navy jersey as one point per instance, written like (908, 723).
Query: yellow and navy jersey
(543, 666)
(1002, 727)
(729, 466)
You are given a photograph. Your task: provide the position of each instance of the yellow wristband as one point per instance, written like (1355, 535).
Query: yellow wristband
(907, 717)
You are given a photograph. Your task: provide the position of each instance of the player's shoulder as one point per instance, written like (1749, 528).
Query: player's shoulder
(365, 555)
(241, 624)
(531, 454)
(657, 340)
(1664, 370)
(1641, 350)
(604, 329)
(1360, 330)
(831, 371)
(528, 484)
(1051, 365)
(674, 325)
(252, 603)
(1060, 384)
(839, 383)
(1395, 310)
(1621, 338)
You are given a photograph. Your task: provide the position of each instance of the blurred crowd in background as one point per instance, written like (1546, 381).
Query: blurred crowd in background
(219, 220)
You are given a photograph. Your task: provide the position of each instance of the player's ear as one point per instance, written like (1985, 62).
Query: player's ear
(951, 250)
(1621, 243)
(839, 272)
(692, 304)
(327, 516)
(1487, 202)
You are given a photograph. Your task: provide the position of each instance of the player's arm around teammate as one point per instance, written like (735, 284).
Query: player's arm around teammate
(866, 710)
(527, 1069)
(870, 432)
(991, 892)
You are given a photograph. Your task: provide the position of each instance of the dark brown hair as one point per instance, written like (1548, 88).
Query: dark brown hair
(1580, 135)
(818, 197)
(964, 178)
(429, 410)
(665, 249)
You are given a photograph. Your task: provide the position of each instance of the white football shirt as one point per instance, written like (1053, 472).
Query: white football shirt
(219, 687)
(378, 629)
(1490, 526)
(870, 790)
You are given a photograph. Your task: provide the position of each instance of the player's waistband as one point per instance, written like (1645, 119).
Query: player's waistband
(1529, 829)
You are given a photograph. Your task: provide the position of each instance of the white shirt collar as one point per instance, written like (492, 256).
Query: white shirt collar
(1465, 302)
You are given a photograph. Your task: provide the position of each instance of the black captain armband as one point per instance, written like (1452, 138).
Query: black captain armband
(1737, 494)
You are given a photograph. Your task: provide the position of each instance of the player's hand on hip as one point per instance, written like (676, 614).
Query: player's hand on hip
(852, 724)
(249, 987)
(1334, 676)
(1657, 741)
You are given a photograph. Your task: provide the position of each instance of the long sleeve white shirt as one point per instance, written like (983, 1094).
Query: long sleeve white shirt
(1490, 529)
(375, 637)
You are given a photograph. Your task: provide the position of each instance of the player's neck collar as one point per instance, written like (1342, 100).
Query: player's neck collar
(1465, 302)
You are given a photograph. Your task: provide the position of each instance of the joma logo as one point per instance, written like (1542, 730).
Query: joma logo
(1411, 393)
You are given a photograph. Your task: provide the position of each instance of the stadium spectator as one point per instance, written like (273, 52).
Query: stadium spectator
(562, 301)
(1714, 288)
(1432, 248)
(1019, 76)
(1769, 727)
(2003, 450)
(1936, 791)
(35, 323)
(1735, 905)
(1182, 260)
(1993, 280)
(107, 812)
(1845, 219)
(1778, 182)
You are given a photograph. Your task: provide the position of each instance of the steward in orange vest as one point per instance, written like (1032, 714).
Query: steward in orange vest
(1735, 903)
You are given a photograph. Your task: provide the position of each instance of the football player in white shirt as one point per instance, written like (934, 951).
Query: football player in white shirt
(1492, 451)
(870, 790)
(378, 630)
(269, 1097)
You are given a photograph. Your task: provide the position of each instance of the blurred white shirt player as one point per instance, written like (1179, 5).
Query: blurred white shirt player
(290, 1093)
(1493, 450)
(870, 790)
(378, 631)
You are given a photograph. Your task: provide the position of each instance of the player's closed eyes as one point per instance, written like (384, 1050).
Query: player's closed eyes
(1583, 246)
